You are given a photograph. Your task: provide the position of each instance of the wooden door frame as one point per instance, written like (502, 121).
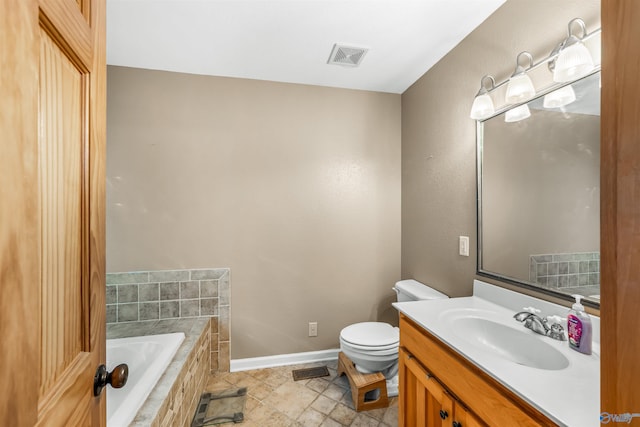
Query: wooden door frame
(620, 208)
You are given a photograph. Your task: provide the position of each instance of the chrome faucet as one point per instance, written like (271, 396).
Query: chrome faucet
(541, 326)
(533, 322)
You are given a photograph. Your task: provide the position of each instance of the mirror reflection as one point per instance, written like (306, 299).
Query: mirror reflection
(539, 193)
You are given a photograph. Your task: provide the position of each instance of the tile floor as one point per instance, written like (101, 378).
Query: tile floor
(276, 400)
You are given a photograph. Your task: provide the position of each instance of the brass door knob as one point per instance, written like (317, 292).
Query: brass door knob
(117, 378)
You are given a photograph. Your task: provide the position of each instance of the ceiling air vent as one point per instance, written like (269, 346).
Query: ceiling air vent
(349, 56)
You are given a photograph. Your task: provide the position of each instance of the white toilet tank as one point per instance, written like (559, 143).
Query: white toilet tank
(412, 290)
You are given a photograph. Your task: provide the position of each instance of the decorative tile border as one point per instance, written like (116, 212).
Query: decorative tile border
(140, 296)
(568, 270)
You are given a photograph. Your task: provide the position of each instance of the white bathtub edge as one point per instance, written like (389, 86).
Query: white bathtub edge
(126, 413)
(250, 363)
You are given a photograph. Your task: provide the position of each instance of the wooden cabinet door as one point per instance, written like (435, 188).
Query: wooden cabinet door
(52, 237)
(464, 418)
(422, 402)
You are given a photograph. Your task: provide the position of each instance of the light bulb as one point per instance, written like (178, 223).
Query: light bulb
(482, 107)
(520, 88)
(517, 114)
(559, 98)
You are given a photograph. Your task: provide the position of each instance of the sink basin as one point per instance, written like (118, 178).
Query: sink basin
(520, 347)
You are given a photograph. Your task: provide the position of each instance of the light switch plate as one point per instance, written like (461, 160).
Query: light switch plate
(463, 245)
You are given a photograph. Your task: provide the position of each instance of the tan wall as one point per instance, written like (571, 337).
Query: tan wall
(438, 137)
(295, 188)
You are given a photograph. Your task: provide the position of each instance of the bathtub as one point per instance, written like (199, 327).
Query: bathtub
(147, 357)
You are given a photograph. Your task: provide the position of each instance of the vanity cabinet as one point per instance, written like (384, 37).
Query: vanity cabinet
(438, 387)
(425, 401)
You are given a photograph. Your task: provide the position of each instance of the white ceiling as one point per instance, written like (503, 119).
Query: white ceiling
(290, 41)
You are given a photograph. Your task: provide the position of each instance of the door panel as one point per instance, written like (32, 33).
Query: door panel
(52, 243)
(60, 148)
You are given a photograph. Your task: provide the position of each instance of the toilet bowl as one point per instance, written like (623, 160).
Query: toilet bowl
(373, 346)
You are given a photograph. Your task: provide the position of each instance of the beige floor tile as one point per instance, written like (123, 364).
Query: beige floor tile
(260, 374)
(328, 422)
(275, 379)
(342, 414)
(250, 404)
(391, 415)
(249, 423)
(334, 392)
(311, 418)
(261, 413)
(291, 399)
(275, 400)
(347, 400)
(278, 419)
(324, 404)
(260, 391)
(341, 381)
(363, 420)
(378, 414)
(318, 384)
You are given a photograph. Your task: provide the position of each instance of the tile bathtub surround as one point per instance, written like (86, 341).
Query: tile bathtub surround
(173, 400)
(142, 296)
(570, 270)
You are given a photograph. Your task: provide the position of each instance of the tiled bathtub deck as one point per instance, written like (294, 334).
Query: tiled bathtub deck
(275, 400)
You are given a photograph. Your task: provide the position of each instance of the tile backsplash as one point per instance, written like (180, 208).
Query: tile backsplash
(568, 270)
(139, 296)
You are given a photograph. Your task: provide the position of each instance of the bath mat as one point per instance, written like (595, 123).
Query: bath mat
(220, 408)
(305, 374)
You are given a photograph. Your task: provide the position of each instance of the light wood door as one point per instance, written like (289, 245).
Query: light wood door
(52, 240)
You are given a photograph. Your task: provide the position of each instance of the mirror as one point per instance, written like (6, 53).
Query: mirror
(539, 195)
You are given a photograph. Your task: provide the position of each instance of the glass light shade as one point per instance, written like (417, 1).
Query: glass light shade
(517, 114)
(559, 98)
(520, 88)
(573, 61)
(482, 107)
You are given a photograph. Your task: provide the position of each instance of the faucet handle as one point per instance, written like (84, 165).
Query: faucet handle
(555, 319)
(557, 331)
(531, 310)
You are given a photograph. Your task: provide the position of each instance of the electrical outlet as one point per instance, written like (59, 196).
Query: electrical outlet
(313, 329)
(463, 245)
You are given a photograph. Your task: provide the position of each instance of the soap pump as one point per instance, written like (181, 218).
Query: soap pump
(579, 327)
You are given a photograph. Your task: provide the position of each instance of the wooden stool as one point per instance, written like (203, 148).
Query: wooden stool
(362, 383)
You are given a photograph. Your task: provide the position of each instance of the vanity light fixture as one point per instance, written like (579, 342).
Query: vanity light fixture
(574, 59)
(520, 86)
(569, 61)
(517, 114)
(483, 104)
(559, 98)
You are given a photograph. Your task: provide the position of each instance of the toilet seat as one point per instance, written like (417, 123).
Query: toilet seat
(371, 336)
(368, 351)
(371, 349)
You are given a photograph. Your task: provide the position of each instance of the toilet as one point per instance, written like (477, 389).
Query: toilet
(373, 346)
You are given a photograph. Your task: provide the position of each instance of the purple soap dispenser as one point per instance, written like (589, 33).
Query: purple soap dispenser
(579, 327)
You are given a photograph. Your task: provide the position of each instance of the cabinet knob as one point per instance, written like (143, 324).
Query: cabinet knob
(456, 424)
(443, 414)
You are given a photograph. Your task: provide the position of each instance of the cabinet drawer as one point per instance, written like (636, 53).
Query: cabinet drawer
(490, 400)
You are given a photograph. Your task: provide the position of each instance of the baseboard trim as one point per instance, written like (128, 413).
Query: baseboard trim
(283, 360)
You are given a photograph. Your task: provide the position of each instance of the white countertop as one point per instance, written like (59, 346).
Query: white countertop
(569, 396)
